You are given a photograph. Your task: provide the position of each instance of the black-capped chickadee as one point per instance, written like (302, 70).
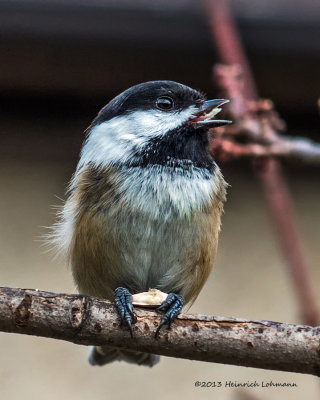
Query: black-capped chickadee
(145, 203)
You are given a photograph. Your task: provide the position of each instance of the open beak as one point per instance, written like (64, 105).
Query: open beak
(207, 112)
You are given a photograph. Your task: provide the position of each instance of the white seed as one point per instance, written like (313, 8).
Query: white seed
(152, 298)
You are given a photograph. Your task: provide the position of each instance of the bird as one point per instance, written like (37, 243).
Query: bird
(144, 204)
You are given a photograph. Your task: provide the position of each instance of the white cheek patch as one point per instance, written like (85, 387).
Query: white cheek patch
(157, 123)
(116, 140)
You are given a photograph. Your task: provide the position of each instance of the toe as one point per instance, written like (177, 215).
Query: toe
(173, 305)
(123, 302)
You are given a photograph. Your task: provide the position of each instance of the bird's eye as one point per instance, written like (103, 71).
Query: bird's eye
(164, 103)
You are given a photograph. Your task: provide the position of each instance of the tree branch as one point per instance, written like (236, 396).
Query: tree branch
(90, 321)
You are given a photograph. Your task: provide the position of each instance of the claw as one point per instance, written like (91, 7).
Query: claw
(123, 302)
(173, 306)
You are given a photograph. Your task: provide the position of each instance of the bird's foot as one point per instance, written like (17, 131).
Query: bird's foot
(173, 306)
(123, 302)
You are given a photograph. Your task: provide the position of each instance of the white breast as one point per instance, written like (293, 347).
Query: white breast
(160, 190)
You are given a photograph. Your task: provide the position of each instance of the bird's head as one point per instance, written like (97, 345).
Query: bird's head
(153, 122)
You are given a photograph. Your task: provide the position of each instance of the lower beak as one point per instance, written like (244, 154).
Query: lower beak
(207, 112)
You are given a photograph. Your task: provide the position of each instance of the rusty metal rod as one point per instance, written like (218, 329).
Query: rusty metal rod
(269, 172)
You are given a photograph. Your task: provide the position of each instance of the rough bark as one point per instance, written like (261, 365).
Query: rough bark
(91, 321)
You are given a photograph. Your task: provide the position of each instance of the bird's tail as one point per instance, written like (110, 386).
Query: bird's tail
(101, 355)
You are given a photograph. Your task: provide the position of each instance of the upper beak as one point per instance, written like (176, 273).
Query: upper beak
(207, 112)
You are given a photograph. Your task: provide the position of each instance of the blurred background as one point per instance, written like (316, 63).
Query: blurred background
(60, 62)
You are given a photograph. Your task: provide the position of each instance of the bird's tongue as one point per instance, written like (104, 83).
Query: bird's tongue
(207, 113)
(203, 115)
